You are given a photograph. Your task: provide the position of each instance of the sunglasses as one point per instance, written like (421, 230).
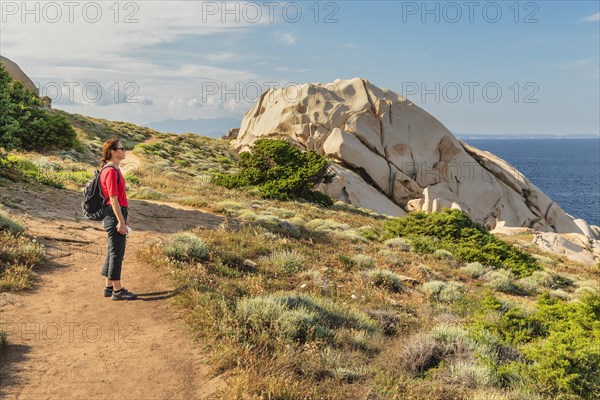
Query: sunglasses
(119, 148)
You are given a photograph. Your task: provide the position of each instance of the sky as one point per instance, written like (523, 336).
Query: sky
(480, 67)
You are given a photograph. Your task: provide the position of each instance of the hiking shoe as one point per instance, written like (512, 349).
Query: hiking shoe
(108, 291)
(123, 294)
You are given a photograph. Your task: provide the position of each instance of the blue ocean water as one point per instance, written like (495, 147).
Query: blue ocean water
(567, 170)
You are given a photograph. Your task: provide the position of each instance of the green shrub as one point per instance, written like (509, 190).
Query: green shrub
(393, 258)
(296, 318)
(474, 269)
(470, 374)
(567, 360)
(273, 224)
(79, 178)
(453, 230)
(398, 243)
(442, 254)
(443, 291)
(385, 279)
(363, 261)
(44, 164)
(370, 233)
(420, 354)
(286, 262)
(25, 124)
(279, 171)
(537, 281)
(560, 294)
(18, 168)
(560, 343)
(132, 178)
(147, 193)
(185, 247)
(500, 280)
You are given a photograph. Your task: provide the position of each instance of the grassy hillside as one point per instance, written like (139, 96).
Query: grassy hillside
(304, 302)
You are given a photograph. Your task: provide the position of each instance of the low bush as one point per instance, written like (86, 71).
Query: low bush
(279, 171)
(296, 318)
(453, 230)
(147, 193)
(385, 279)
(19, 255)
(398, 243)
(560, 343)
(285, 261)
(536, 282)
(443, 291)
(475, 269)
(500, 280)
(16, 168)
(9, 224)
(442, 254)
(185, 247)
(363, 261)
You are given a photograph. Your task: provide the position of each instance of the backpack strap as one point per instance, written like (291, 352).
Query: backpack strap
(116, 169)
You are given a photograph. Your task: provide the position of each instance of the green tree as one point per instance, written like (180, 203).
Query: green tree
(25, 124)
(280, 171)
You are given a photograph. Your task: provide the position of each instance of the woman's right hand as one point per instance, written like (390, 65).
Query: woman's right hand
(122, 228)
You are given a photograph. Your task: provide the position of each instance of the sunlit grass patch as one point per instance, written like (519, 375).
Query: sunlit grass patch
(185, 247)
(19, 255)
(443, 291)
(385, 279)
(8, 223)
(501, 280)
(297, 318)
(286, 262)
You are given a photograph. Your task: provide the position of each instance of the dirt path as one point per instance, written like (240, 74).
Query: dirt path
(66, 341)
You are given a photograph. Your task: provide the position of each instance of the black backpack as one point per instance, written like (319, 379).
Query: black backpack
(93, 200)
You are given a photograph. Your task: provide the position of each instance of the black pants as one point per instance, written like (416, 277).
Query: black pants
(116, 245)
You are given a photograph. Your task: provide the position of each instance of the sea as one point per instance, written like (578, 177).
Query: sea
(567, 170)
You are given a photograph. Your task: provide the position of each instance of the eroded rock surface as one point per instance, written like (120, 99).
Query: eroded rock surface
(392, 156)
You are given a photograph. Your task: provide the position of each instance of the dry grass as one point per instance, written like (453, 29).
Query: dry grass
(19, 256)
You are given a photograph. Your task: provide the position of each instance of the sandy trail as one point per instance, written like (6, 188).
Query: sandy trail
(67, 341)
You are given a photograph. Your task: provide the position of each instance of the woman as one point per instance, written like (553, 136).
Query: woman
(116, 222)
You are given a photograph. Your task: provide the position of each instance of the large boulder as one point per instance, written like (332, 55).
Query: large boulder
(409, 159)
(17, 74)
(576, 247)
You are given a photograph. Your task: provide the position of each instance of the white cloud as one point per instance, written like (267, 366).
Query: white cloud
(108, 53)
(587, 67)
(294, 70)
(287, 38)
(221, 57)
(592, 17)
(350, 45)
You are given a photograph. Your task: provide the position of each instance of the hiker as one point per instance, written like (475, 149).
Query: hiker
(116, 222)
